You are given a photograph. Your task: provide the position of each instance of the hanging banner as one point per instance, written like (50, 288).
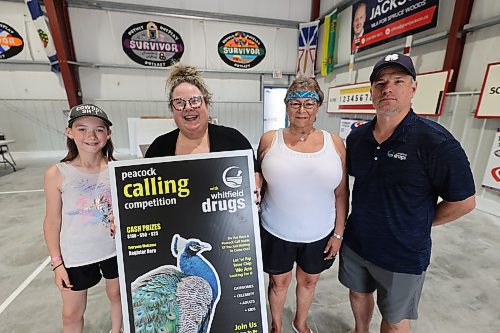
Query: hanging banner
(491, 177)
(152, 44)
(241, 49)
(356, 98)
(329, 35)
(331, 42)
(324, 52)
(11, 42)
(308, 42)
(188, 244)
(375, 22)
(43, 31)
(489, 100)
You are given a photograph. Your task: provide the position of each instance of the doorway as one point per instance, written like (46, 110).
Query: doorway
(274, 108)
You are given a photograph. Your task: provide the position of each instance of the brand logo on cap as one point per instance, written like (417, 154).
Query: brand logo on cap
(392, 57)
(84, 109)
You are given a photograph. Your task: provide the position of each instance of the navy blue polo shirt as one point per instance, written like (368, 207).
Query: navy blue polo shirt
(396, 188)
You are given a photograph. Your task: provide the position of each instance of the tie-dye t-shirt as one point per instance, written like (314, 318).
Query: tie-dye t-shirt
(86, 206)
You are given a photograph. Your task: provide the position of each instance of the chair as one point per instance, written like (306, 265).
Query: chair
(4, 149)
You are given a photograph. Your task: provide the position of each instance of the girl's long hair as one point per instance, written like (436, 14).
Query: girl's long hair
(107, 151)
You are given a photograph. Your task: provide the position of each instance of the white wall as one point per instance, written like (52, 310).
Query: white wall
(295, 10)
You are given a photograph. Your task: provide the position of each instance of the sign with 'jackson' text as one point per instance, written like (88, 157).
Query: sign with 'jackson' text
(188, 244)
(375, 22)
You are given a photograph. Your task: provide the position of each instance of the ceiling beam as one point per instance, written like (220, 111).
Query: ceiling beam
(315, 4)
(57, 11)
(456, 40)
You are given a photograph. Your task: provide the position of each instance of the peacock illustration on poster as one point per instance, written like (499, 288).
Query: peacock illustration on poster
(178, 299)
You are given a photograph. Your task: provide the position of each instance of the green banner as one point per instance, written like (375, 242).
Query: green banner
(331, 42)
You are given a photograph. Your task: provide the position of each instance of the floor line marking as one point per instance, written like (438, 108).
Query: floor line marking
(25, 191)
(24, 285)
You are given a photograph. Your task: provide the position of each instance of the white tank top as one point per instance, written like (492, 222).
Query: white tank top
(86, 205)
(299, 203)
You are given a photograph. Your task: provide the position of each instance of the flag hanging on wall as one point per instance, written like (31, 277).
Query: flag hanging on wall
(44, 33)
(308, 42)
(331, 42)
(324, 53)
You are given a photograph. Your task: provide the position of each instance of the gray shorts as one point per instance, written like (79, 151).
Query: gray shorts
(398, 294)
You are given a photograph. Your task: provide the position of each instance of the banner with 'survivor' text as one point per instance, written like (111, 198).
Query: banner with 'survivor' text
(188, 244)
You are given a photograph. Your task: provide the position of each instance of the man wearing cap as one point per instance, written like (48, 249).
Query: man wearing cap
(401, 164)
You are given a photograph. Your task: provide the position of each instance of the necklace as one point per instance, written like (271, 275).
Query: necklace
(304, 136)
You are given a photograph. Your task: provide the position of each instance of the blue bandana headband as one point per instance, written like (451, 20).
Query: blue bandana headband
(296, 94)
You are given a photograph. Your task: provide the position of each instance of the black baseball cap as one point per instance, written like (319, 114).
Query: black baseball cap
(399, 59)
(87, 110)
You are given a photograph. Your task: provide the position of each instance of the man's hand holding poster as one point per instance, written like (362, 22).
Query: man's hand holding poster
(188, 244)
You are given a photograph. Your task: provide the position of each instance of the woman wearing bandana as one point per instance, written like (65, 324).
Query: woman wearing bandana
(305, 202)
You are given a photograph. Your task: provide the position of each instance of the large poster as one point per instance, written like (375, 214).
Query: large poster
(491, 177)
(188, 244)
(487, 107)
(375, 22)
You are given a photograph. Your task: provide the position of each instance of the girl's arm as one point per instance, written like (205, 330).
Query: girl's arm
(52, 225)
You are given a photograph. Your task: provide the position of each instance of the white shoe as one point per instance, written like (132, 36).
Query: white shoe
(297, 331)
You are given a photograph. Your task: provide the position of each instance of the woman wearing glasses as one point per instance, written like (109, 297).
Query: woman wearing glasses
(305, 202)
(189, 100)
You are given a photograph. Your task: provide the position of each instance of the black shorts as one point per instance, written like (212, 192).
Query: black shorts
(87, 276)
(279, 255)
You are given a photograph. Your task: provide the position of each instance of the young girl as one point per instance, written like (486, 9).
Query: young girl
(77, 227)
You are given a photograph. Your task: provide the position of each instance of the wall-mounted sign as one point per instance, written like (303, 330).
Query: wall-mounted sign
(241, 49)
(491, 177)
(347, 125)
(489, 100)
(152, 44)
(11, 42)
(356, 98)
(375, 22)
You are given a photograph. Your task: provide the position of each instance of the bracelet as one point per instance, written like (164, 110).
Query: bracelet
(340, 237)
(55, 259)
(53, 269)
(53, 263)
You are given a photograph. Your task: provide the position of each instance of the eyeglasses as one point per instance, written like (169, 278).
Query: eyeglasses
(308, 104)
(180, 103)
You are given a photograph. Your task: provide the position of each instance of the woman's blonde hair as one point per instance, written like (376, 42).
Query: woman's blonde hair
(307, 83)
(180, 73)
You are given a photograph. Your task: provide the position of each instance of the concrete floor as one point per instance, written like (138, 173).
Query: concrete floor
(461, 293)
